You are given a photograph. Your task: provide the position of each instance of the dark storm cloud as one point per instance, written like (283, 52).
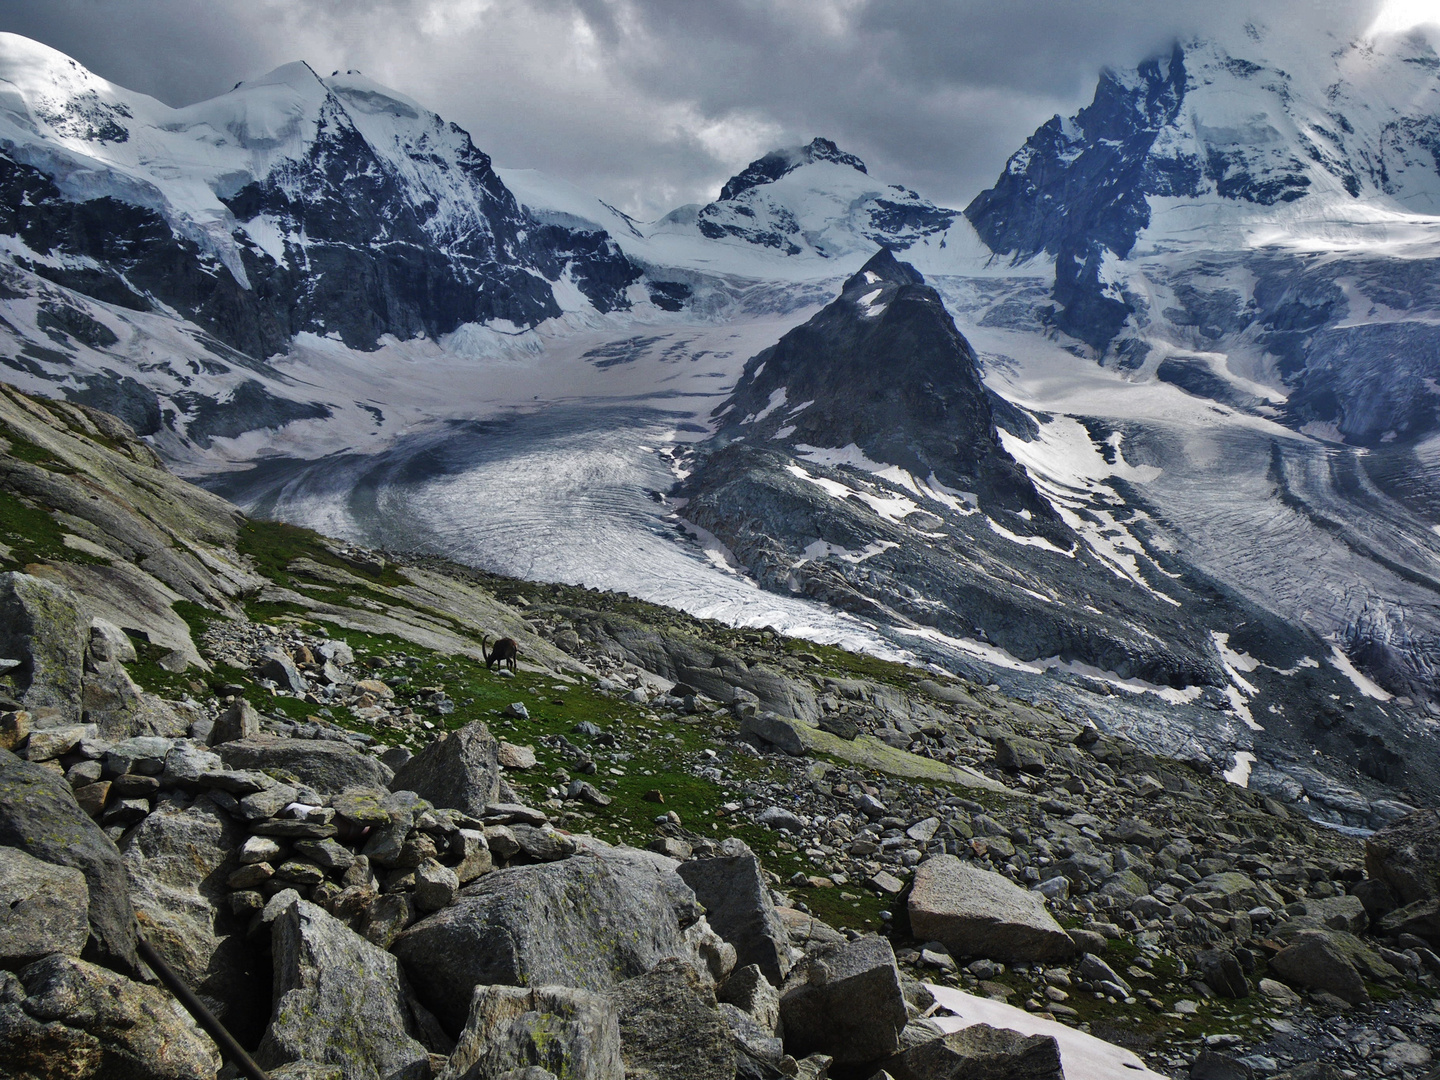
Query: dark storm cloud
(651, 103)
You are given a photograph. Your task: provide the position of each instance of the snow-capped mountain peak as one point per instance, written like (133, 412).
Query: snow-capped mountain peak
(780, 163)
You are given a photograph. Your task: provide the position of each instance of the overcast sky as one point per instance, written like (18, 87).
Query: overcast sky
(654, 103)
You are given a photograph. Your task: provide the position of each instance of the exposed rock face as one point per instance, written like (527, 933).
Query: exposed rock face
(980, 1052)
(84, 1022)
(44, 909)
(1406, 856)
(1096, 199)
(41, 625)
(325, 765)
(461, 772)
(669, 1027)
(738, 907)
(979, 913)
(177, 861)
(338, 1000)
(587, 922)
(39, 815)
(845, 1001)
(570, 1033)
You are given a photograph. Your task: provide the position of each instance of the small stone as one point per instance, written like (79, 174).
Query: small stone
(886, 882)
(517, 711)
(132, 786)
(251, 875)
(258, 849)
(587, 792)
(1279, 992)
(125, 813)
(777, 817)
(516, 757)
(435, 885)
(326, 854)
(14, 729)
(92, 797)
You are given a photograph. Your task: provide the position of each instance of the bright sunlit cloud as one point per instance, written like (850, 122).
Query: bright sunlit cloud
(1397, 16)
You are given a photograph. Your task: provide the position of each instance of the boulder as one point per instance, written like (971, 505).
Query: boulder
(1314, 962)
(177, 861)
(670, 1028)
(461, 772)
(748, 990)
(1222, 972)
(186, 764)
(83, 1022)
(327, 765)
(120, 709)
(566, 1032)
(776, 731)
(1421, 918)
(975, 912)
(43, 909)
(590, 921)
(238, 721)
(42, 627)
(845, 1001)
(738, 907)
(108, 645)
(757, 1052)
(337, 1001)
(39, 815)
(1406, 856)
(980, 1052)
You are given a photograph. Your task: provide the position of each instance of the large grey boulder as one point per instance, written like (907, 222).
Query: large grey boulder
(845, 1001)
(1314, 962)
(40, 816)
(83, 1022)
(337, 1001)
(980, 1052)
(738, 907)
(461, 771)
(1406, 856)
(328, 766)
(590, 921)
(976, 912)
(570, 1033)
(176, 861)
(42, 627)
(43, 909)
(670, 1028)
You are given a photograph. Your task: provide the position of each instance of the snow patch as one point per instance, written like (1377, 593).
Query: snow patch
(1362, 682)
(820, 549)
(1239, 773)
(1082, 1056)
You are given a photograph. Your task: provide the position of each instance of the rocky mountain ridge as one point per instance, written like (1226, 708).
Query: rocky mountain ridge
(322, 787)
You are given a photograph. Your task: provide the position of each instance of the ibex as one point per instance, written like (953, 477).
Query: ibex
(504, 652)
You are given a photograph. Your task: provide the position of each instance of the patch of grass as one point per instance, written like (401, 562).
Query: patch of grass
(22, 449)
(33, 535)
(273, 545)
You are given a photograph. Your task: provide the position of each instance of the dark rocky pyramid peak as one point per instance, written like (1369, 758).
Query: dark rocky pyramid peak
(884, 268)
(780, 163)
(884, 368)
